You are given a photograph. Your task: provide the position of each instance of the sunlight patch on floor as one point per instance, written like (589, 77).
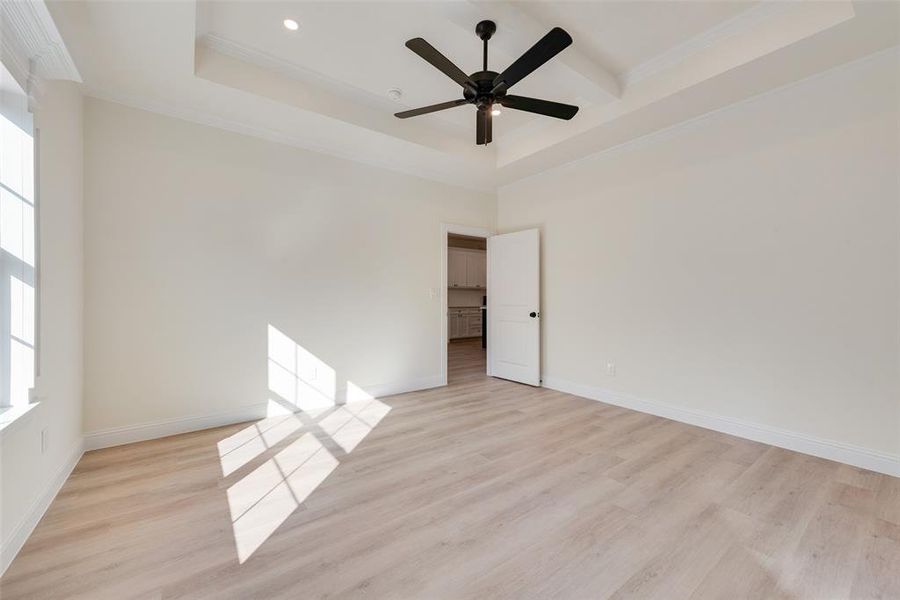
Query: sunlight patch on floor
(254, 440)
(306, 400)
(261, 501)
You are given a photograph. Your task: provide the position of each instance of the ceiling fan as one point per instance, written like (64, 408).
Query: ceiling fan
(486, 88)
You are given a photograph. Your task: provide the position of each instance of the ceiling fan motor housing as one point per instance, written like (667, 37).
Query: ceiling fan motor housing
(482, 96)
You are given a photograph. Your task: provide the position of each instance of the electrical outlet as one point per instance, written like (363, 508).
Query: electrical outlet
(611, 369)
(45, 440)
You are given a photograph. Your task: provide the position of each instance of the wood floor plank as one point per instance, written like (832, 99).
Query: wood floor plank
(485, 488)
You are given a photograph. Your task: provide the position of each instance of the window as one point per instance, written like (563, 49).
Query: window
(17, 247)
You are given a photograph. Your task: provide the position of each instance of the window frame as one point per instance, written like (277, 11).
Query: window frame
(12, 266)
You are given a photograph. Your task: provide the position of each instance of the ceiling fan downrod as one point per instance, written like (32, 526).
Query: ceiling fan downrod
(484, 30)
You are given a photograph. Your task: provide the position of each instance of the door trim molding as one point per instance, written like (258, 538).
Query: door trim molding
(447, 228)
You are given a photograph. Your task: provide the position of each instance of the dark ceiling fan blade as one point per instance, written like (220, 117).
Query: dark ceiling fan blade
(440, 62)
(546, 48)
(415, 112)
(484, 126)
(541, 107)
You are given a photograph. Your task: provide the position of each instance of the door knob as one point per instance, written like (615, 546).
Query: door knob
(532, 314)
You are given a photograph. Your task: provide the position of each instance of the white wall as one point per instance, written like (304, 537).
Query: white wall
(465, 297)
(31, 477)
(197, 239)
(745, 265)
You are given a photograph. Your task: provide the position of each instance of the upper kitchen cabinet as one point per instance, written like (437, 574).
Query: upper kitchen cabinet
(456, 268)
(476, 269)
(466, 268)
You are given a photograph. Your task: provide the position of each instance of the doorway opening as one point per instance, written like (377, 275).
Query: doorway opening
(464, 294)
(466, 307)
(490, 305)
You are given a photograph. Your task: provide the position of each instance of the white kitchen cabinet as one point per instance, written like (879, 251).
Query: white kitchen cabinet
(476, 269)
(474, 324)
(456, 268)
(466, 268)
(453, 324)
(464, 322)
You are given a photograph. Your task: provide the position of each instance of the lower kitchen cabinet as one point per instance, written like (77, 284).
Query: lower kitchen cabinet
(464, 322)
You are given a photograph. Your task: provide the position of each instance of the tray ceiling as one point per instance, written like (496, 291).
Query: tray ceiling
(635, 68)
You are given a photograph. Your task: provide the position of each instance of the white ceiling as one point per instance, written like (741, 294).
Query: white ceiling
(622, 35)
(360, 45)
(635, 67)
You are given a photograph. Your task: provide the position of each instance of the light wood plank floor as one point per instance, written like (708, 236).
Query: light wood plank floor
(483, 489)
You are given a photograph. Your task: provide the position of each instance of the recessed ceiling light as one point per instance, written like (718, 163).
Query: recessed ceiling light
(395, 94)
(291, 25)
(495, 111)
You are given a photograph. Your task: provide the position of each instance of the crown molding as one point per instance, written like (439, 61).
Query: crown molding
(236, 50)
(32, 48)
(208, 119)
(317, 80)
(654, 137)
(709, 38)
(12, 58)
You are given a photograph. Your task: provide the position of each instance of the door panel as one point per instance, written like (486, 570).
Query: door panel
(514, 295)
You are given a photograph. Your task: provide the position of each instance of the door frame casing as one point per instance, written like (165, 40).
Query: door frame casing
(448, 228)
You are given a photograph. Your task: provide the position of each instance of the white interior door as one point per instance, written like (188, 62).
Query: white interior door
(514, 330)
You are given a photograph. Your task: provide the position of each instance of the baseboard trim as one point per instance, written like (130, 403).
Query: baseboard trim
(117, 436)
(23, 530)
(401, 387)
(881, 462)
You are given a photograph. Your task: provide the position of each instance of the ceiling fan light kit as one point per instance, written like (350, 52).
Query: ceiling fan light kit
(487, 88)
